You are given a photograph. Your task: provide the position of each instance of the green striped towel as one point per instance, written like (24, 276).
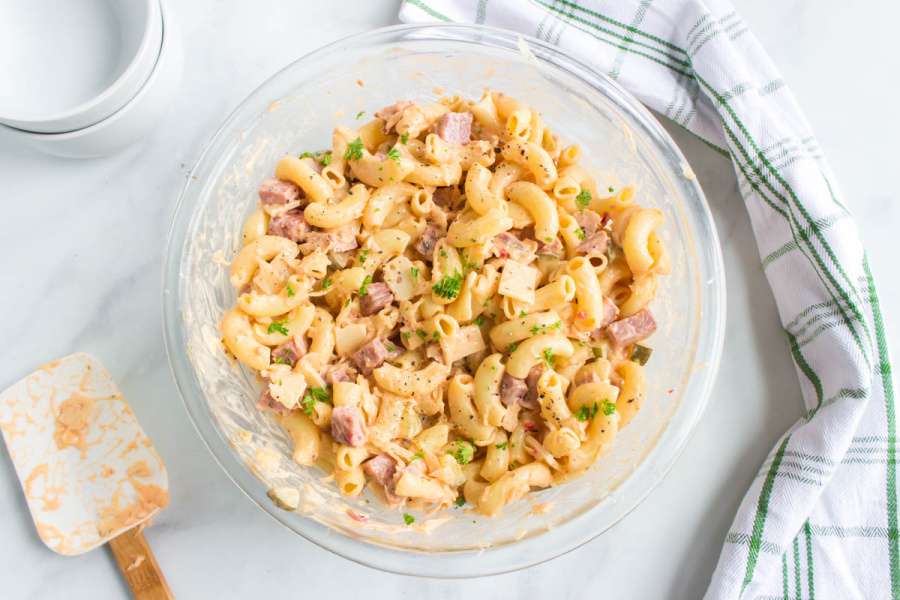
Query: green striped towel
(821, 518)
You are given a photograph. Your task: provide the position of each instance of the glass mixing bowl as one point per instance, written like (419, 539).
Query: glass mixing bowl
(295, 110)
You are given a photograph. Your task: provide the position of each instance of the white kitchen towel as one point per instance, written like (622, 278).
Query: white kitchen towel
(821, 518)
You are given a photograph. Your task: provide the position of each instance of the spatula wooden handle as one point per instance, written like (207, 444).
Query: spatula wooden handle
(139, 566)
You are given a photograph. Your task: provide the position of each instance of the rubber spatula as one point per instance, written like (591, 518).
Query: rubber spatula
(89, 472)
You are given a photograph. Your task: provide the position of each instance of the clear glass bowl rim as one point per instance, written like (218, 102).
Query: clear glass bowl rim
(534, 550)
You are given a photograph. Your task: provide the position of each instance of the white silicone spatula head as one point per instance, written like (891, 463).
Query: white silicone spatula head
(87, 469)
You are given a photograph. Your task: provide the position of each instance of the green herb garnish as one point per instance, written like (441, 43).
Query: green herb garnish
(535, 329)
(404, 138)
(290, 290)
(512, 347)
(326, 283)
(279, 327)
(364, 288)
(394, 155)
(583, 199)
(421, 333)
(414, 271)
(547, 354)
(326, 159)
(579, 233)
(307, 155)
(408, 519)
(406, 335)
(354, 150)
(585, 412)
(363, 255)
(479, 320)
(312, 396)
(448, 287)
(460, 500)
(461, 451)
(502, 445)
(608, 408)
(360, 113)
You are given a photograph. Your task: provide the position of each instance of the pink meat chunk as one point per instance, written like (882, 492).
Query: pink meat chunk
(631, 329)
(381, 469)
(342, 239)
(348, 426)
(551, 248)
(370, 356)
(455, 128)
(512, 389)
(378, 295)
(291, 225)
(610, 312)
(276, 191)
(426, 242)
(589, 221)
(287, 353)
(594, 245)
(339, 372)
(530, 401)
(267, 402)
(446, 197)
(392, 114)
(506, 245)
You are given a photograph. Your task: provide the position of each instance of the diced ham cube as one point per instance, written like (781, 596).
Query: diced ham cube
(266, 401)
(378, 295)
(276, 191)
(348, 426)
(595, 245)
(446, 197)
(455, 127)
(589, 221)
(426, 242)
(392, 114)
(341, 239)
(506, 245)
(381, 469)
(371, 356)
(287, 353)
(530, 401)
(631, 329)
(291, 225)
(551, 248)
(610, 312)
(512, 389)
(339, 372)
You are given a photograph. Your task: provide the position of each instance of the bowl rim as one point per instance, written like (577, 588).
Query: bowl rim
(147, 51)
(507, 557)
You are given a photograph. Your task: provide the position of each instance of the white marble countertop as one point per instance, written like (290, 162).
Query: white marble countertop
(83, 244)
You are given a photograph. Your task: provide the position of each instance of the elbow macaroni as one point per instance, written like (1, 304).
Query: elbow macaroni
(440, 276)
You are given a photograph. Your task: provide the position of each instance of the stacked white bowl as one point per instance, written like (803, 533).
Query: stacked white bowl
(85, 78)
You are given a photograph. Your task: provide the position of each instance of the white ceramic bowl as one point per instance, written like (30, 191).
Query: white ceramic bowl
(131, 122)
(67, 65)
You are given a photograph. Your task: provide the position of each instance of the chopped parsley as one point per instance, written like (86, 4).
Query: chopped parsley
(579, 233)
(290, 290)
(406, 335)
(307, 155)
(461, 451)
(326, 159)
(502, 445)
(360, 114)
(364, 288)
(583, 199)
(404, 138)
(611, 190)
(468, 266)
(421, 333)
(586, 412)
(443, 253)
(435, 335)
(448, 287)
(326, 283)
(354, 150)
(312, 396)
(522, 313)
(363, 255)
(390, 347)
(460, 500)
(535, 329)
(608, 408)
(408, 519)
(279, 327)
(282, 360)
(414, 271)
(394, 155)
(547, 354)
(479, 320)
(512, 347)
(597, 352)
